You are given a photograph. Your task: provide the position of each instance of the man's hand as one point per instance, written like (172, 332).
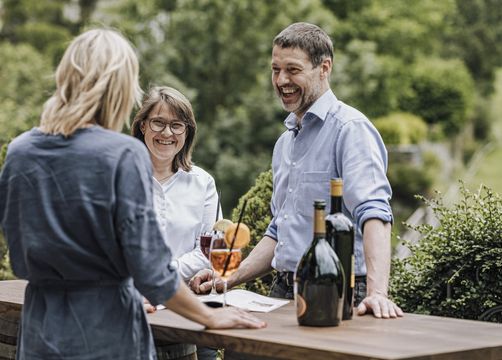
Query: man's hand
(202, 282)
(380, 306)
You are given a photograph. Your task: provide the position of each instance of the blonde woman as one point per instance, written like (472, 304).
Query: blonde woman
(76, 210)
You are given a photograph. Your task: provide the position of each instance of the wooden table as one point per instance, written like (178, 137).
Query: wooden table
(417, 337)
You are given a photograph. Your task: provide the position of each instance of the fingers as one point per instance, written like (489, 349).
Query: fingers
(361, 309)
(380, 306)
(149, 308)
(199, 279)
(231, 317)
(204, 287)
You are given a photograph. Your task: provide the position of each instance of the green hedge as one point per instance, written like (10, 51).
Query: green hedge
(257, 216)
(401, 129)
(456, 269)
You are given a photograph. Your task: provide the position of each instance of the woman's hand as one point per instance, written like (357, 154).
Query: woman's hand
(231, 317)
(149, 308)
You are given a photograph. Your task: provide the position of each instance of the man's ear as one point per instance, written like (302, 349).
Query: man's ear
(326, 66)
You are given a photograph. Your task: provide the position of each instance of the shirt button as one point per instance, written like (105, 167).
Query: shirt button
(286, 216)
(281, 243)
(290, 190)
(293, 163)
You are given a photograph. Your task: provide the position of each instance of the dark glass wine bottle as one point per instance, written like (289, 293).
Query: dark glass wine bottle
(319, 279)
(340, 235)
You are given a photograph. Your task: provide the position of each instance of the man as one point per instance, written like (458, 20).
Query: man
(325, 138)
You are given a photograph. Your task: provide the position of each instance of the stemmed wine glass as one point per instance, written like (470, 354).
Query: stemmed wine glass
(219, 258)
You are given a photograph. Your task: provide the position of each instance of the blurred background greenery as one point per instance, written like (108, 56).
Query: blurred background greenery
(423, 71)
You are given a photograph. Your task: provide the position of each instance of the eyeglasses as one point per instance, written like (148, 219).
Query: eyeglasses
(176, 127)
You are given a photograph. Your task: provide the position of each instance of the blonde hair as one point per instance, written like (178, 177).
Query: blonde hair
(96, 83)
(179, 105)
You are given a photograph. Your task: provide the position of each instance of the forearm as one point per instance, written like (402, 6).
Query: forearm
(184, 303)
(258, 263)
(190, 263)
(377, 250)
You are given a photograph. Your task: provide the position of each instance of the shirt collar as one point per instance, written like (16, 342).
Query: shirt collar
(319, 108)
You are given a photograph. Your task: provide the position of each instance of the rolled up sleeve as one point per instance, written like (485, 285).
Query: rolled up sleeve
(363, 167)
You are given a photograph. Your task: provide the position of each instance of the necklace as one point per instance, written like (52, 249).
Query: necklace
(164, 179)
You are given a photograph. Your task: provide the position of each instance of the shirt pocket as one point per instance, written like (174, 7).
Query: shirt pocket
(314, 185)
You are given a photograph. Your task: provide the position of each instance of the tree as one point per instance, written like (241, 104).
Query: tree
(218, 53)
(24, 88)
(476, 37)
(441, 92)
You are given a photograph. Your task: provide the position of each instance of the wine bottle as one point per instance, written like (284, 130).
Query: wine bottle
(340, 235)
(319, 279)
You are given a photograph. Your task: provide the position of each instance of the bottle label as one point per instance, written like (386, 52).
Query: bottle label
(301, 306)
(352, 273)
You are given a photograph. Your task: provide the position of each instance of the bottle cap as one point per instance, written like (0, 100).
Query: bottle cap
(319, 204)
(336, 187)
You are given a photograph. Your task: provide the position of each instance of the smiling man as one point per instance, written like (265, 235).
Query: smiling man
(325, 138)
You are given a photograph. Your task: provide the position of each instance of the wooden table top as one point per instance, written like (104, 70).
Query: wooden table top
(416, 337)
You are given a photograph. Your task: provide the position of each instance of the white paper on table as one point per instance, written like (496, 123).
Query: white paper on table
(246, 300)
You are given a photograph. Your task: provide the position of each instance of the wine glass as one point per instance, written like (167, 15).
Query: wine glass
(205, 238)
(223, 261)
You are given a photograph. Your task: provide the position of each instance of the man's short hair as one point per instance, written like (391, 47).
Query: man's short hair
(309, 38)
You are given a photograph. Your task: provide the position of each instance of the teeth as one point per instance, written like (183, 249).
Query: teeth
(288, 90)
(163, 142)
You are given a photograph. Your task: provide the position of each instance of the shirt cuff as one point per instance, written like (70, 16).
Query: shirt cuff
(271, 231)
(373, 210)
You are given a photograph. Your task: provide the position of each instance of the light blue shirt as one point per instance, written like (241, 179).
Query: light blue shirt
(335, 140)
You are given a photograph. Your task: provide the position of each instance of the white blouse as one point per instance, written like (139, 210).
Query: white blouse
(185, 205)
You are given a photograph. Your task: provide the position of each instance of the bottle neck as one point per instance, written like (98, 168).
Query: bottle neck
(336, 204)
(319, 224)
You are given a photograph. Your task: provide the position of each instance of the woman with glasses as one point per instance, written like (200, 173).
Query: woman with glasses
(185, 195)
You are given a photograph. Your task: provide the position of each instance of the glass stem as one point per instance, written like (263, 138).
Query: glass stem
(224, 293)
(213, 282)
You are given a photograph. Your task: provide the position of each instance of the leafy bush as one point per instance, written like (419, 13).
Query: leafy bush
(456, 269)
(257, 216)
(442, 92)
(5, 270)
(407, 180)
(3, 153)
(401, 129)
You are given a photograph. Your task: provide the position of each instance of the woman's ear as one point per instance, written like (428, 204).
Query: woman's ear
(142, 127)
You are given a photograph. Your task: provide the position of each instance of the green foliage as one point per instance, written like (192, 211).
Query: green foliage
(407, 180)
(455, 270)
(3, 153)
(24, 88)
(442, 92)
(257, 216)
(5, 270)
(475, 36)
(401, 129)
(370, 82)
(46, 38)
